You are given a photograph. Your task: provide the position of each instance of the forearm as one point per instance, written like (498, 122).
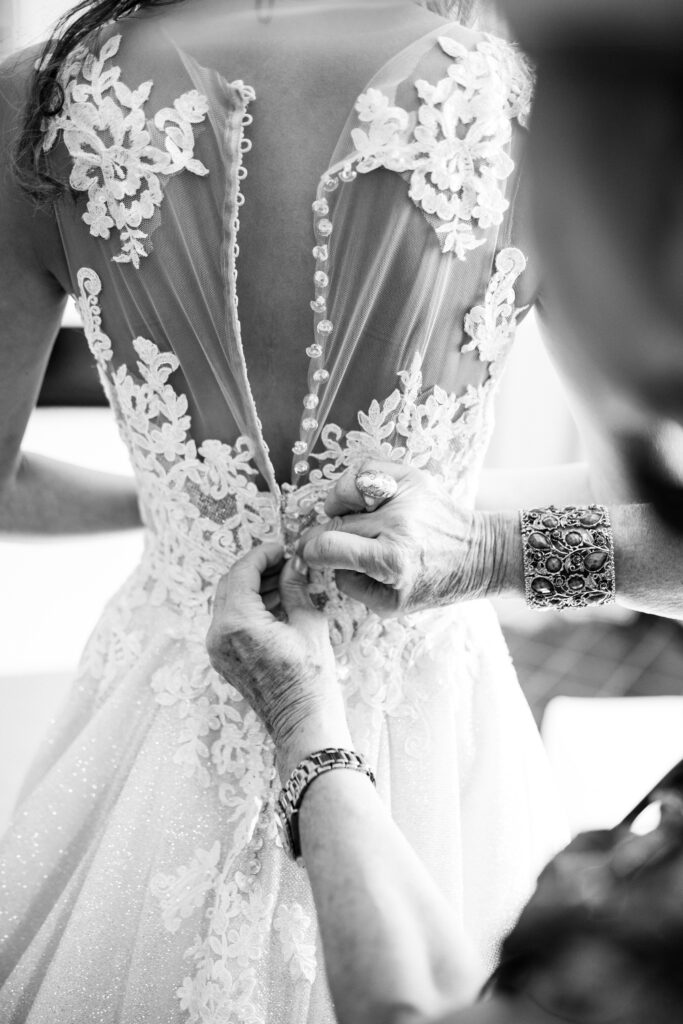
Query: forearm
(46, 496)
(393, 953)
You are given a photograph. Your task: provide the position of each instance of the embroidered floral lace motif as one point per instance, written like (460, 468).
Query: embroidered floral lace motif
(453, 149)
(115, 158)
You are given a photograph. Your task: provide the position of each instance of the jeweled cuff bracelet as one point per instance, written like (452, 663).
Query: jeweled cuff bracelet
(568, 556)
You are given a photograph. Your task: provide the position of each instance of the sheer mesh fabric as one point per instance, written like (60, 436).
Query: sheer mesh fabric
(393, 294)
(182, 296)
(396, 297)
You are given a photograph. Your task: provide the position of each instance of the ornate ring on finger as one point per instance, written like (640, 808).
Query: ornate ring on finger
(375, 486)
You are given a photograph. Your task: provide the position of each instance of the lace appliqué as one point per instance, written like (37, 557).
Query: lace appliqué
(454, 149)
(115, 160)
(201, 503)
(440, 432)
(227, 961)
(491, 327)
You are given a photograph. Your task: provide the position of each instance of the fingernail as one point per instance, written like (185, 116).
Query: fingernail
(299, 566)
(369, 502)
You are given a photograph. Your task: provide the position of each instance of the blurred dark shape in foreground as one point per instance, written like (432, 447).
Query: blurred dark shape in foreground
(600, 940)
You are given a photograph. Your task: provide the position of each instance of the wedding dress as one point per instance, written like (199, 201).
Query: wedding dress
(143, 877)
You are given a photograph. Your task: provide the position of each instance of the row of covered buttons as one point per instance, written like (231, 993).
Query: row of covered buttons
(323, 326)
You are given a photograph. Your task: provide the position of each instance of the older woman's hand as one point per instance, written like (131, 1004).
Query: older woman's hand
(284, 669)
(418, 549)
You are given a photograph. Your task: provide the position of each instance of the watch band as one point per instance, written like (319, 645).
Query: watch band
(292, 794)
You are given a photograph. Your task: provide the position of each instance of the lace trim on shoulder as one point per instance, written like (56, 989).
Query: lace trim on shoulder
(454, 148)
(491, 326)
(115, 160)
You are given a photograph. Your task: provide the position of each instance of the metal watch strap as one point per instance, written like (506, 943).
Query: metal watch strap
(292, 794)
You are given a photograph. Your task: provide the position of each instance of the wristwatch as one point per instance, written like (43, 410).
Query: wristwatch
(292, 794)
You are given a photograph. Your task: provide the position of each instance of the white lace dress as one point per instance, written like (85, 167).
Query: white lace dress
(142, 877)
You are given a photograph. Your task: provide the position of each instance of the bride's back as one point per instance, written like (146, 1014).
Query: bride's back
(197, 139)
(307, 66)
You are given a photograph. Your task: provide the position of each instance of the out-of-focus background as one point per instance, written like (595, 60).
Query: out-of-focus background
(605, 687)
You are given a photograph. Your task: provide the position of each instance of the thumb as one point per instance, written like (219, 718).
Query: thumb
(294, 592)
(378, 597)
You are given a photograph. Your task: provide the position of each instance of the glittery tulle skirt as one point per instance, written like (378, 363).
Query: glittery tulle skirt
(143, 878)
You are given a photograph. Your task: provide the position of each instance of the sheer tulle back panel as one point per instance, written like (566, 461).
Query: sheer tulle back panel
(398, 296)
(178, 289)
(168, 266)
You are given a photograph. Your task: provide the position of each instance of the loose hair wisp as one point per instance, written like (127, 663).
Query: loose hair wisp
(45, 93)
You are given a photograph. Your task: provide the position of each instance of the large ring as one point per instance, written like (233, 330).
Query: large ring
(375, 485)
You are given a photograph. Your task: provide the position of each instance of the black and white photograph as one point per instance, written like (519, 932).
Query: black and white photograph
(341, 511)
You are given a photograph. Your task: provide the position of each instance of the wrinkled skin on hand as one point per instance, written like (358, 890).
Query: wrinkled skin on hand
(284, 669)
(418, 550)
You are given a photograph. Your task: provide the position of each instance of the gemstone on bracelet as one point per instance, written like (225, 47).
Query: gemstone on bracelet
(573, 538)
(575, 583)
(553, 564)
(311, 401)
(541, 587)
(539, 541)
(595, 560)
(301, 467)
(300, 448)
(591, 518)
(314, 351)
(550, 521)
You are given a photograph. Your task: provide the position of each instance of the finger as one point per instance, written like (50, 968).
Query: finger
(378, 597)
(345, 497)
(371, 525)
(239, 588)
(272, 601)
(340, 550)
(294, 593)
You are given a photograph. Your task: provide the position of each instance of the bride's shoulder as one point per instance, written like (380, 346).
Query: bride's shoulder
(454, 43)
(464, 61)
